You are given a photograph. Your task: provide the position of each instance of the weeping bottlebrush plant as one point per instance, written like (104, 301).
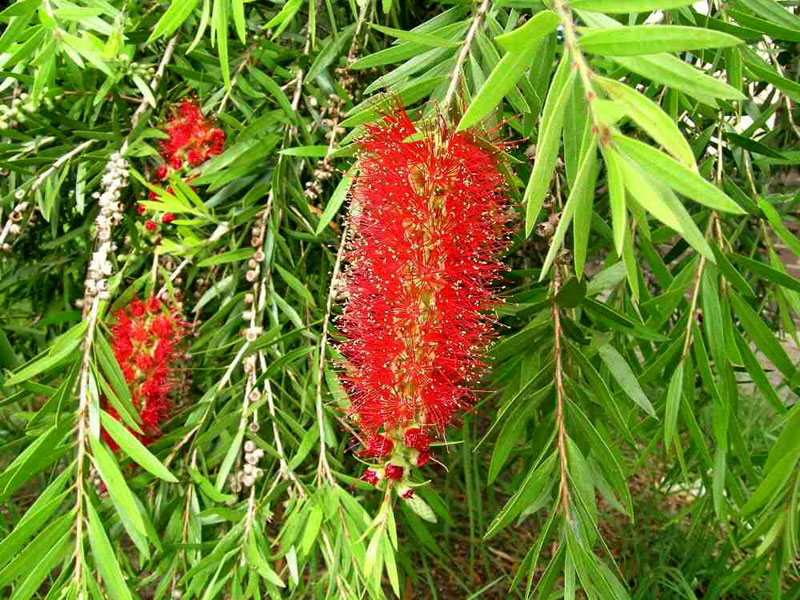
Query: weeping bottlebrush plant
(427, 222)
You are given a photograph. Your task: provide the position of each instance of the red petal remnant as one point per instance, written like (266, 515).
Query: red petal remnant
(167, 218)
(145, 339)
(150, 225)
(393, 472)
(371, 477)
(417, 439)
(407, 494)
(429, 220)
(377, 446)
(161, 172)
(141, 209)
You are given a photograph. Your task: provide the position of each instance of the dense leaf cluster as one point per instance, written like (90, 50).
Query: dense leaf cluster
(639, 434)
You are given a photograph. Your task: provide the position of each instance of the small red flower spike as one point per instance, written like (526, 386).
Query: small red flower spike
(150, 225)
(145, 340)
(161, 172)
(141, 209)
(191, 137)
(393, 472)
(371, 477)
(167, 218)
(429, 214)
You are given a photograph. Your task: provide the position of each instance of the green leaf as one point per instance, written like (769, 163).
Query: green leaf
(680, 178)
(535, 482)
(41, 568)
(313, 151)
(547, 143)
(134, 448)
(334, 204)
(583, 181)
(499, 83)
(652, 39)
(776, 222)
(208, 488)
(177, 13)
(423, 39)
(757, 373)
(616, 198)
(118, 489)
(256, 559)
(34, 518)
(627, 6)
(650, 118)
(239, 21)
(788, 441)
(771, 11)
(663, 205)
(773, 482)
(671, 71)
(762, 335)
(296, 285)
(105, 557)
(623, 375)
(50, 535)
(238, 255)
(673, 405)
(524, 38)
(572, 293)
(64, 346)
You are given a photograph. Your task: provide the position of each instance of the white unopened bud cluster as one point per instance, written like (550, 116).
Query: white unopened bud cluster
(115, 179)
(17, 214)
(250, 471)
(20, 108)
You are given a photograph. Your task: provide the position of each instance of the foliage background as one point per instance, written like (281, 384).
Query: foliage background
(639, 435)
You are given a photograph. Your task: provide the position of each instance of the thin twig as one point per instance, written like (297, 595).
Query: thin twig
(324, 468)
(455, 76)
(559, 385)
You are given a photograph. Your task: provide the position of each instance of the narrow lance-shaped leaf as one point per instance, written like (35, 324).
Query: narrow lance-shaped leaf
(651, 39)
(680, 178)
(673, 404)
(649, 116)
(510, 68)
(547, 142)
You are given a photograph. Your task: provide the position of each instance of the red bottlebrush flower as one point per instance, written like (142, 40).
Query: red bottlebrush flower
(377, 446)
(145, 339)
(167, 218)
(191, 137)
(429, 220)
(370, 477)
(161, 172)
(393, 472)
(141, 209)
(150, 225)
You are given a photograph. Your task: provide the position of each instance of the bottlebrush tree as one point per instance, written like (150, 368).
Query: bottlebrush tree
(466, 299)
